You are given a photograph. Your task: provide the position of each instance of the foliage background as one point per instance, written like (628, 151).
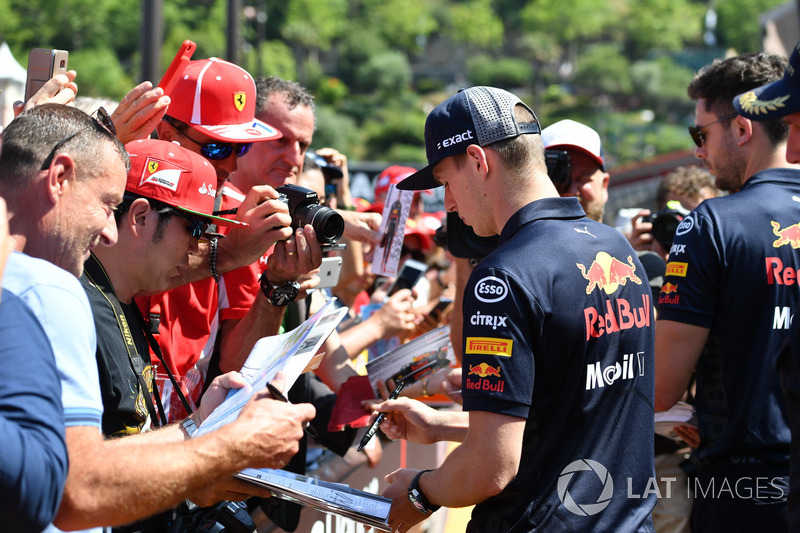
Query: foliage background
(377, 67)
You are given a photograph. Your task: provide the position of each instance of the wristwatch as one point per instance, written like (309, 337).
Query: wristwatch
(279, 295)
(417, 498)
(189, 426)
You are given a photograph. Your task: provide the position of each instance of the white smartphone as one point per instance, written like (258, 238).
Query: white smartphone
(329, 272)
(43, 64)
(409, 275)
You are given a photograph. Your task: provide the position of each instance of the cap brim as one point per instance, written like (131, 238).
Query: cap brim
(419, 181)
(219, 221)
(253, 131)
(774, 100)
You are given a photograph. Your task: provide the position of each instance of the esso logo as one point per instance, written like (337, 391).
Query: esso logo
(491, 289)
(685, 226)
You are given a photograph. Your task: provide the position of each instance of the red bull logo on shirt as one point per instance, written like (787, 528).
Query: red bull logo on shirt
(669, 294)
(619, 315)
(608, 273)
(483, 371)
(788, 235)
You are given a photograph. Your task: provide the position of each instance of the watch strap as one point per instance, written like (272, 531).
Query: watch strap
(418, 498)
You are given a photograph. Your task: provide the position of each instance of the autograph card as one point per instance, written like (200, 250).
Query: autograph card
(393, 227)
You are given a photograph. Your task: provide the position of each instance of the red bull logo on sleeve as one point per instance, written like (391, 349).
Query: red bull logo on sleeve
(668, 294)
(608, 273)
(484, 371)
(788, 235)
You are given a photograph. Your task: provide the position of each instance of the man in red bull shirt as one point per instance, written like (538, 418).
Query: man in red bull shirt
(726, 305)
(781, 100)
(557, 379)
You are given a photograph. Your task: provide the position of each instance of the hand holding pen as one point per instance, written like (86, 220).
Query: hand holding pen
(377, 422)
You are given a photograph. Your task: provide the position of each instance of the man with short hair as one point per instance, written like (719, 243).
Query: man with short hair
(63, 174)
(726, 303)
(588, 177)
(781, 100)
(567, 298)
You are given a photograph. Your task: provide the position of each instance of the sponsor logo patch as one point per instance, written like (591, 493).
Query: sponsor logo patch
(617, 316)
(789, 235)
(685, 226)
(777, 274)
(491, 290)
(455, 139)
(239, 100)
(489, 346)
(598, 377)
(608, 273)
(677, 249)
(674, 268)
(488, 320)
(162, 173)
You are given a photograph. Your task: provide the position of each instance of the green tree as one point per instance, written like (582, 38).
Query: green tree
(475, 22)
(662, 25)
(737, 23)
(403, 24)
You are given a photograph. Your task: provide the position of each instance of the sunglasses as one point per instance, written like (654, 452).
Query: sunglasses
(196, 225)
(697, 134)
(102, 123)
(214, 151)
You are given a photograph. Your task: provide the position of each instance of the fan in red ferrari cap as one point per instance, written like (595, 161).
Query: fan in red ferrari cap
(212, 112)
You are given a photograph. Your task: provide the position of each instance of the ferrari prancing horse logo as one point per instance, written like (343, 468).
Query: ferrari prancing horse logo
(239, 100)
(152, 166)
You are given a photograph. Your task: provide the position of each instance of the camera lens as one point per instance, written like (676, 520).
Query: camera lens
(327, 223)
(664, 228)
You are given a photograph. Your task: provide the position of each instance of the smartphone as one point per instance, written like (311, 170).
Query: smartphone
(43, 64)
(329, 272)
(409, 275)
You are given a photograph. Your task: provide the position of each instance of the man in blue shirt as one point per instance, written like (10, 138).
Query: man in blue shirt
(725, 307)
(557, 344)
(781, 100)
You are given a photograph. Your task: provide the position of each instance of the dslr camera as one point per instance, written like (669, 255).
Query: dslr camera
(665, 222)
(304, 209)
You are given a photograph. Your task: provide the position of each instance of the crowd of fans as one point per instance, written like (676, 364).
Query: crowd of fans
(149, 245)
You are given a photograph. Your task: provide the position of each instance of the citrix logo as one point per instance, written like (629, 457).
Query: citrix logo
(603, 499)
(488, 320)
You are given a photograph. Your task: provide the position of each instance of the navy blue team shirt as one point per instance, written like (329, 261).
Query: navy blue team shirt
(733, 268)
(558, 330)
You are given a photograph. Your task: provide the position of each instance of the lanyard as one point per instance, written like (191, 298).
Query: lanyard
(99, 279)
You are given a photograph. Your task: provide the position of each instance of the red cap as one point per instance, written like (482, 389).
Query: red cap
(218, 98)
(169, 173)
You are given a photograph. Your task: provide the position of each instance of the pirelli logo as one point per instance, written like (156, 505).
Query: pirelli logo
(676, 269)
(489, 346)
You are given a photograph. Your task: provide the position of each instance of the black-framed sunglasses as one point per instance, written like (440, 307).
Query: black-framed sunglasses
(102, 123)
(196, 225)
(697, 134)
(215, 151)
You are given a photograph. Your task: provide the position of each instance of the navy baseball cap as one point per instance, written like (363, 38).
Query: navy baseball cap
(477, 115)
(776, 99)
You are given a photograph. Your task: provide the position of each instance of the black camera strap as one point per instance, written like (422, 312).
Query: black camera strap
(99, 280)
(151, 340)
